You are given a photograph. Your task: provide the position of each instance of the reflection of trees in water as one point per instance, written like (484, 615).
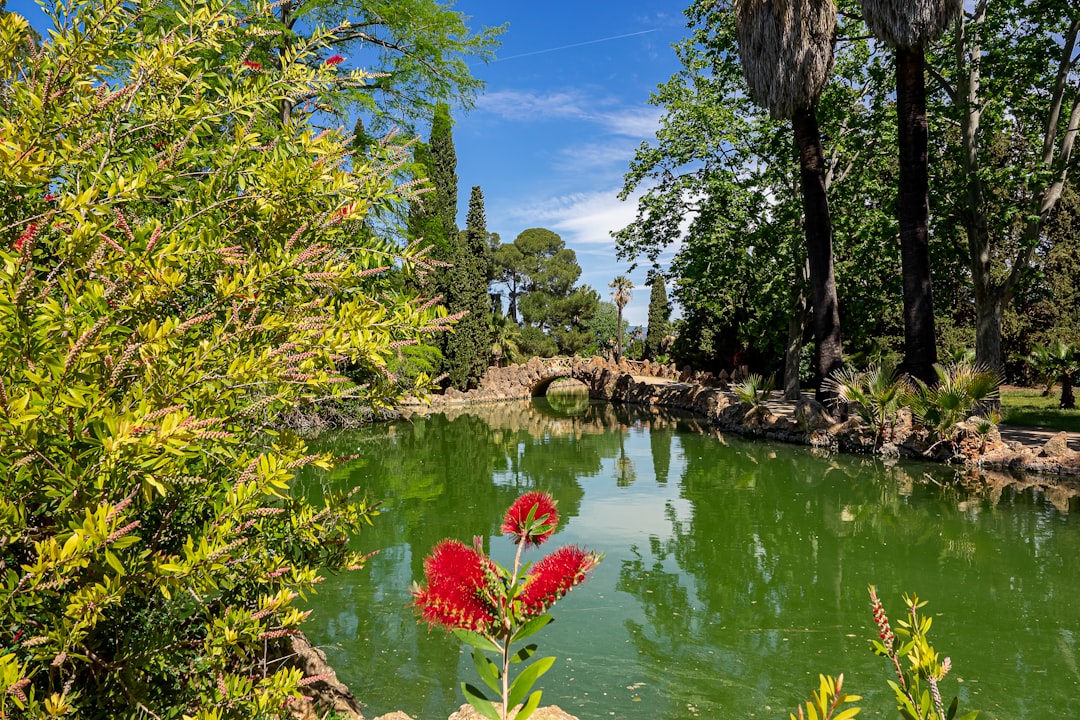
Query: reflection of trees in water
(758, 583)
(438, 476)
(768, 569)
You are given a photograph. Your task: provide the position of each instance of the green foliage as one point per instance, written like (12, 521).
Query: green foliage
(603, 325)
(754, 390)
(177, 269)
(540, 273)
(416, 51)
(658, 337)
(468, 348)
(827, 700)
(918, 695)
(875, 394)
(1057, 362)
(719, 185)
(505, 340)
(961, 387)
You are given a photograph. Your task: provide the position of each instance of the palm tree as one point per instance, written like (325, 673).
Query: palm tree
(1057, 362)
(622, 292)
(786, 48)
(908, 26)
(505, 336)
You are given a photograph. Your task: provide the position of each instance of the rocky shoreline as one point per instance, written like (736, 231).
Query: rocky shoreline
(804, 421)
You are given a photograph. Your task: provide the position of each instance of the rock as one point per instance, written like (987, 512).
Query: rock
(551, 712)
(812, 415)
(325, 695)
(398, 715)
(1057, 447)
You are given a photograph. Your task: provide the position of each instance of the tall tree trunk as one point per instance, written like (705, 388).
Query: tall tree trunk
(800, 311)
(1068, 398)
(828, 352)
(989, 296)
(618, 334)
(913, 212)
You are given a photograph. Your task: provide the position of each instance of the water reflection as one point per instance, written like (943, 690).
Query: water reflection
(735, 571)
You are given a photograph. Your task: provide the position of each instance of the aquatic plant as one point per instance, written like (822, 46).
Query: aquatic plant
(493, 609)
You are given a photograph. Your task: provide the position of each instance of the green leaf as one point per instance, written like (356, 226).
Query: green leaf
(530, 705)
(479, 702)
(847, 714)
(476, 640)
(969, 716)
(532, 627)
(523, 654)
(524, 682)
(114, 563)
(488, 670)
(951, 713)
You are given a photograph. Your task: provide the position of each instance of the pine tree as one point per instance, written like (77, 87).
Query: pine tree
(659, 318)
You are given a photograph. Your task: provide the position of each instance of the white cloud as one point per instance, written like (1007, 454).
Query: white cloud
(606, 112)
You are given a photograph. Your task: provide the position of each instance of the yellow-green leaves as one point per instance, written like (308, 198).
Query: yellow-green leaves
(189, 277)
(828, 701)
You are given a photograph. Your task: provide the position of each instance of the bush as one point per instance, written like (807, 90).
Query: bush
(176, 269)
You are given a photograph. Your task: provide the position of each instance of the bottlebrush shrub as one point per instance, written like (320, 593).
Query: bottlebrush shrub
(176, 269)
(491, 608)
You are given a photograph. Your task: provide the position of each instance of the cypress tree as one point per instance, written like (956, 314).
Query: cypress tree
(442, 170)
(659, 318)
(468, 348)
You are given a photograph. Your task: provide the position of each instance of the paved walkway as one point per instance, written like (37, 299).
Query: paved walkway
(1034, 437)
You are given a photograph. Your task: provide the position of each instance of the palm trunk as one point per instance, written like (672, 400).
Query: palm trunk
(828, 351)
(1068, 399)
(618, 335)
(913, 212)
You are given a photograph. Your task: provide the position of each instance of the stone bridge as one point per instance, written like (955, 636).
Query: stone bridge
(531, 379)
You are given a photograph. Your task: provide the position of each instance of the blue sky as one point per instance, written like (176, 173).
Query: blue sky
(565, 107)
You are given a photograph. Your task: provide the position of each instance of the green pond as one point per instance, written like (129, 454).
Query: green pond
(735, 571)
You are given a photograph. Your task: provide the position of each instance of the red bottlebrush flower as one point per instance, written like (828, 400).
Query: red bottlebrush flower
(455, 596)
(885, 632)
(334, 60)
(532, 518)
(26, 235)
(554, 576)
(252, 65)
(49, 198)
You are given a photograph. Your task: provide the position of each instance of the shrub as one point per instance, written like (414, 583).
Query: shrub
(875, 395)
(176, 269)
(961, 389)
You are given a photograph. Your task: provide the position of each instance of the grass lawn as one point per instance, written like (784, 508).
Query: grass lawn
(1026, 407)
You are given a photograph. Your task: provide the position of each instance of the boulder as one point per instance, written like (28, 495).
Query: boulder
(1057, 447)
(812, 415)
(326, 695)
(551, 712)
